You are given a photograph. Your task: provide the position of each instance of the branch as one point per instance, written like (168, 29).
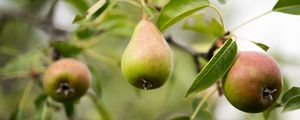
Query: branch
(195, 54)
(36, 21)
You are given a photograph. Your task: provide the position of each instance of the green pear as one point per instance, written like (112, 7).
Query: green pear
(147, 61)
(253, 83)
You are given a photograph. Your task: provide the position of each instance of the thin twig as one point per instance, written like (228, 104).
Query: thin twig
(195, 54)
(201, 103)
(243, 24)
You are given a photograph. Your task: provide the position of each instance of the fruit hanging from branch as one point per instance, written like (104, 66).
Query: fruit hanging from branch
(253, 83)
(147, 61)
(66, 80)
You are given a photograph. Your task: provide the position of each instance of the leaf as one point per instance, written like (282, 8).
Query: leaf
(85, 33)
(39, 101)
(203, 115)
(97, 83)
(292, 104)
(69, 109)
(17, 115)
(93, 12)
(293, 92)
(288, 6)
(80, 5)
(205, 25)
(215, 68)
(66, 49)
(181, 118)
(196, 102)
(262, 46)
(268, 111)
(222, 1)
(176, 10)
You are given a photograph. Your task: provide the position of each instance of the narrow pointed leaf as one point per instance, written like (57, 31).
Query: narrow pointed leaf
(262, 46)
(215, 68)
(80, 5)
(176, 10)
(288, 6)
(292, 104)
(293, 92)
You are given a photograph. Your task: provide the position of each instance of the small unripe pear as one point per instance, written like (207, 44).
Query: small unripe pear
(66, 80)
(147, 61)
(253, 83)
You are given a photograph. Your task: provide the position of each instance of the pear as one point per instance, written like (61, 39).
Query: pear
(147, 61)
(253, 83)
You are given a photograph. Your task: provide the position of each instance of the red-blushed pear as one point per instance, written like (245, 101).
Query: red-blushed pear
(147, 61)
(66, 80)
(253, 83)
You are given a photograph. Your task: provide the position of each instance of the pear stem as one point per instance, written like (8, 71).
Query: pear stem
(201, 103)
(144, 14)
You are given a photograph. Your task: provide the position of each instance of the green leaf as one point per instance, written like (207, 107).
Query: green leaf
(85, 33)
(66, 49)
(181, 118)
(176, 10)
(196, 102)
(203, 115)
(215, 68)
(268, 111)
(292, 104)
(97, 9)
(69, 109)
(288, 6)
(262, 46)
(97, 81)
(17, 115)
(293, 92)
(204, 24)
(39, 101)
(80, 5)
(222, 1)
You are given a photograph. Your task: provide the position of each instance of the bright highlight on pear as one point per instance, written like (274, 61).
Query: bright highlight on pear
(147, 61)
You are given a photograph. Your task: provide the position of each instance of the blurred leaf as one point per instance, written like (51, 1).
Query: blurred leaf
(17, 115)
(97, 81)
(66, 49)
(215, 68)
(203, 115)
(181, 118)
(176, 10)
(196, 102)
(23, 63)
(268, 111)
(151, 12)
(222, 1)
(85, 33)
(69, 108)
(97, 9)
(39, 101)
(205, 25)
(262, 46)
(80, 5)
(292, 104)
(293, 92)
(118, 24)
(288, 6)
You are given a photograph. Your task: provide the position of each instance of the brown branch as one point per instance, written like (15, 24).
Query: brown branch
(195, 54)
(36, 21)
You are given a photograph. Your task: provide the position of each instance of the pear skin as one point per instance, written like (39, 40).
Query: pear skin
(253, 83)
(147, 61)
